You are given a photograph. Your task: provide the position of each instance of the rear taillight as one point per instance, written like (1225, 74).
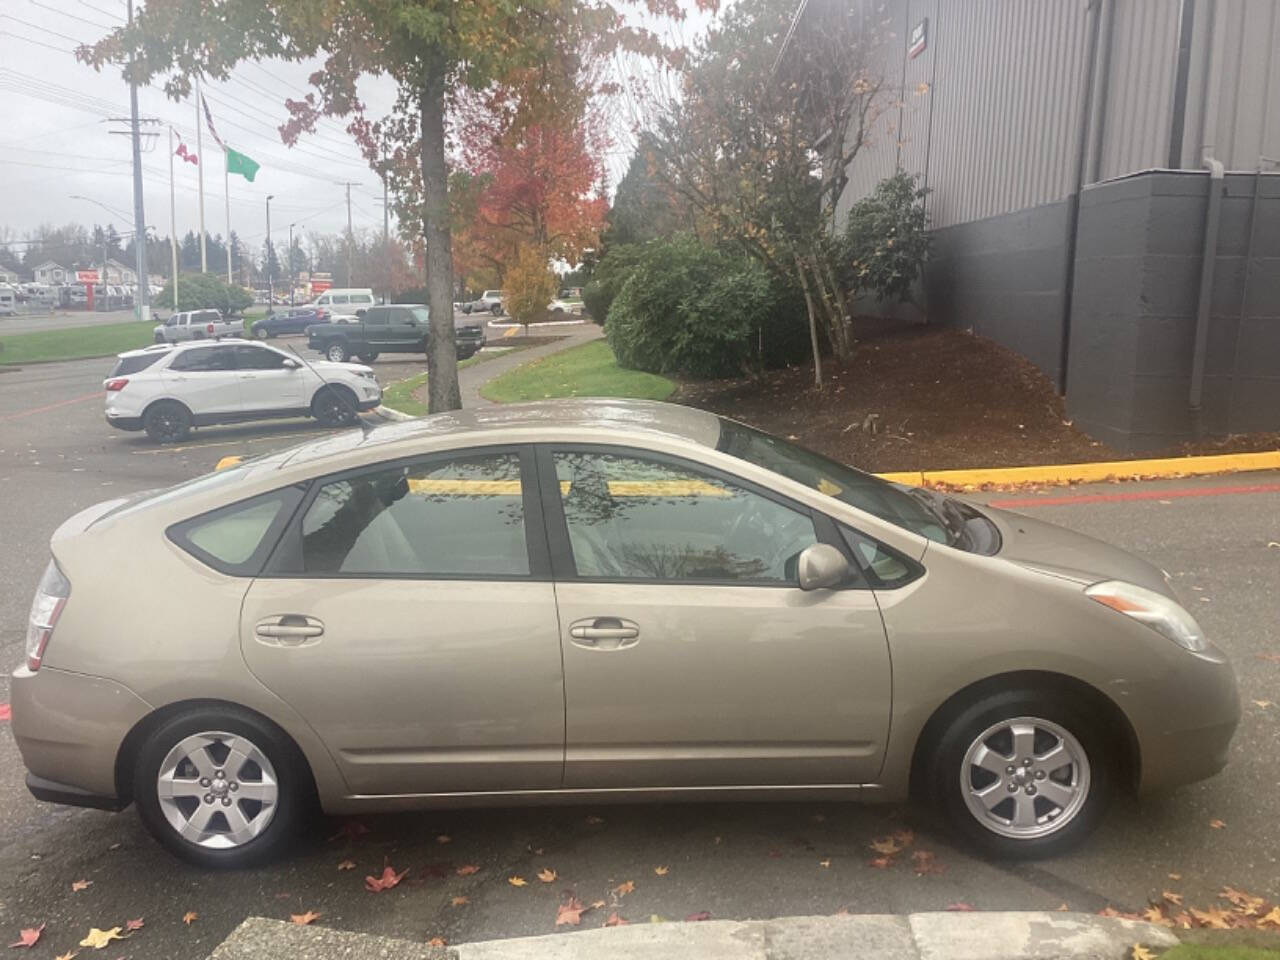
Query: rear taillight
(118, 383)
(51, 597)
(209, 328)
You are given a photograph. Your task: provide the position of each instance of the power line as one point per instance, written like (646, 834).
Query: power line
(38, 43)
(63, 13)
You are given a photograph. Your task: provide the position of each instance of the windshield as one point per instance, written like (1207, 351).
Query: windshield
(922, 512)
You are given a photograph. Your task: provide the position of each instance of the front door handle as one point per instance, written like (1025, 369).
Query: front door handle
(289, 630)
(604, 633)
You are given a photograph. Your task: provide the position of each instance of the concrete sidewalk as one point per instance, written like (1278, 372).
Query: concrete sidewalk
(919, 936)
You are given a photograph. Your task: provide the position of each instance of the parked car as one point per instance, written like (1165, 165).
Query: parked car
(168, 390)
(560, 305)
(293, 320)
(490, 302)
(197, 325)
(577, 599)
(8, 300)
(398, 328)
(349, 300)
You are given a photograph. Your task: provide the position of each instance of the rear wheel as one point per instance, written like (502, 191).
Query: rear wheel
(218, 787)
(337, 352)
(368, 356)
(167, 421)
(1023, 773)
(334, 405)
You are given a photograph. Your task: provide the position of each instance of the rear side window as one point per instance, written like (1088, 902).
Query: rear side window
(127, 365)
(237, 539)
(204, 360)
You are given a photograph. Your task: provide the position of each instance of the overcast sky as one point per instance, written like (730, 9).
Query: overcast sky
(56, 140)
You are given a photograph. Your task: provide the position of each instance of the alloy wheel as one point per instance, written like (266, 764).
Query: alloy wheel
(217, 790)
(1025, 778)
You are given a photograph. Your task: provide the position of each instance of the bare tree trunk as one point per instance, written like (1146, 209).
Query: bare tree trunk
(442, 358)
(813, 322)
(845, 318)
(835, 328)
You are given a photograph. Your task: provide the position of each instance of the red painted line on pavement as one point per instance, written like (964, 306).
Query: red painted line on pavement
(1135, 495)
(52, 406)
(4, 711)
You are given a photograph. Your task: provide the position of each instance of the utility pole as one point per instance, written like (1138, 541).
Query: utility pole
(270, 278)
(289, 261)
(351, 236)
(386, 232)
(142, 289)
(204, 258)
(173, 224)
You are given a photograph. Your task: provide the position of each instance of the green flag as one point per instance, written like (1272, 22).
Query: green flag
(239, 163)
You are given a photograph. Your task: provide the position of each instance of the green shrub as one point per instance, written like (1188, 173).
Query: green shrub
(691, 309)
(205, 291)
(884, 244)
(608, 277)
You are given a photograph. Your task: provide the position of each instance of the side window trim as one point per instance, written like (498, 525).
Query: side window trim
(557, 528)
(285, 562)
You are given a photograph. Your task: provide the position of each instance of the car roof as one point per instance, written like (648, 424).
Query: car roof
(543, 421)
(190, 345)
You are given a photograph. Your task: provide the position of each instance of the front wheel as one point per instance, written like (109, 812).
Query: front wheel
(218, 787)
(334, 406)
(261, 333)
(496, 309)
(167, 422)
(1023, 773)
(337, 352)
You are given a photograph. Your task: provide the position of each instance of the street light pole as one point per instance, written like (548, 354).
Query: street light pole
(142, 288)
(270, 285)
(289, 260)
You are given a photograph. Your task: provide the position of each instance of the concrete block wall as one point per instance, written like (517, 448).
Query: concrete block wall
(1136, 289)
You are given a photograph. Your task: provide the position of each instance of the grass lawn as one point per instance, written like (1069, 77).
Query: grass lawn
(586, 371)
(92, 341)
(1196, 951)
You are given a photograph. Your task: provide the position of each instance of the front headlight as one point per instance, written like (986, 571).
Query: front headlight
(1155, 610)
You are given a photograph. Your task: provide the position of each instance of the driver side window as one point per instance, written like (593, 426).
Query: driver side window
(635, 518)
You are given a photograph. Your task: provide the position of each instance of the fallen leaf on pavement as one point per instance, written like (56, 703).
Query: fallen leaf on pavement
(1271, 657)
(1139, 952)
(825, 863)
(459, 902)
(1171, 897)
(926, 863)
(616, 920)
(699, 916)
(65, 956)
(1272, 919)
(467, 870)
(661, 871)
(593, 820)
(190, 917)
(905, 836)
(347, 865)
(880, 863)
(960, 908)
(1175, 876)
(1063, 908)
(444, 838)
(28, 937)
(79, 885)
(570, 913)
(132, 925)
(437, 942)
(517, 881)
(1246, 903)
(1182, 920)
(624, 888)
(100, 938)
(1264, 703)
(1217, 824)
(1155, 915)
(303, 919)
(388, 880)
(1213, 917)
(547, 875)
(597, 904)
(350, 830)
(886, 846)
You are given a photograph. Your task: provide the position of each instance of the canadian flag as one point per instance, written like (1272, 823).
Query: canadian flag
(185, 154)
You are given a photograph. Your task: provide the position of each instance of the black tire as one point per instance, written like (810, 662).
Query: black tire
(160, 338)
(496, 309)
(167, 421)
(337, 352)
(946, 767)
(368, 356)
(279, 820)
(259, 331)
(466, 308)
(334, 405)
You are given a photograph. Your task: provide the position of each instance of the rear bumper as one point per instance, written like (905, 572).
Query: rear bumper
(52, 792)
(125, 423)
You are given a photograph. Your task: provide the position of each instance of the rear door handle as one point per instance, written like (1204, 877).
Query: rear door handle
(604, 633)
(289, 630)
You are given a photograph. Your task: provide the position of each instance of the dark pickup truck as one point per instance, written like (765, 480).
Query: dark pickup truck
(397, 328)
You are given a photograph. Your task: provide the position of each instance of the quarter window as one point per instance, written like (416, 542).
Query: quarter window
(236, 539)
(460, 517)
(633, 518)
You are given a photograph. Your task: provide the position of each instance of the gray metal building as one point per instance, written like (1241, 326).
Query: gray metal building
(1096, 197)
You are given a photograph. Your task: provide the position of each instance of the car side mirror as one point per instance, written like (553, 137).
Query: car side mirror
(291, 364)
(821, 567)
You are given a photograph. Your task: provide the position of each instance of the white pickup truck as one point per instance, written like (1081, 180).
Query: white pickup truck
(197, 325)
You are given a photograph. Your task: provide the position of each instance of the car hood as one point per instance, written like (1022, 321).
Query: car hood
(324, 367)
(1064, 553)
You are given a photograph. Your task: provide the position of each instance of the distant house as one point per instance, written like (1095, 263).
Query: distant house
(52, 273)
(7, 276)
(118, 273)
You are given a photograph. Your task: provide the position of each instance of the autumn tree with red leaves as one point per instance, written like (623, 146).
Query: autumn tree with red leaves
(435, 51)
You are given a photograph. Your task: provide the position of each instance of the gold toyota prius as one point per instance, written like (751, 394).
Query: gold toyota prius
(597, 599)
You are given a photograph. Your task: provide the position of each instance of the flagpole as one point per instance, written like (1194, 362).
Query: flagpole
(204, 260)
(173, 224)
(226, 193)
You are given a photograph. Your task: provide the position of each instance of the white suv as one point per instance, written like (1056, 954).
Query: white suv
(167, 390)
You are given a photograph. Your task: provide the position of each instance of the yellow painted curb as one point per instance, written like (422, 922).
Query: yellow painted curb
(1091, 472)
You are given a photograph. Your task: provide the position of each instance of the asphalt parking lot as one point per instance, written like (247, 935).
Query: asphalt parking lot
(1220, 537)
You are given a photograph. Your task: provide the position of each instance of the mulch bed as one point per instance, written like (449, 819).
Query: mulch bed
(925, 397)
